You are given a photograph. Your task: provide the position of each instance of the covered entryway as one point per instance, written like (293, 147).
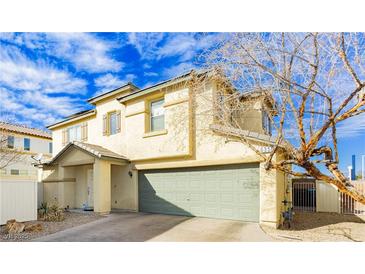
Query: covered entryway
(81, 176)
(224, 192)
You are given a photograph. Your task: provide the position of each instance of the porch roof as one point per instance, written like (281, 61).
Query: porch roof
(93, 150)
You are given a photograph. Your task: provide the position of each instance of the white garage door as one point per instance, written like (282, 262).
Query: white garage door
(18, 200)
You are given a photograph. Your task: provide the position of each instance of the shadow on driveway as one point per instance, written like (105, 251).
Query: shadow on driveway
(140, 227)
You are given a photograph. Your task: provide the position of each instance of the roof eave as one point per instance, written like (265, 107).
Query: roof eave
(95, 99)
(176, 80)
(72, 119)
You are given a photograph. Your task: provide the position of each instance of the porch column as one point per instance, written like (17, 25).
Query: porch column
(60, 187)
(102, 186)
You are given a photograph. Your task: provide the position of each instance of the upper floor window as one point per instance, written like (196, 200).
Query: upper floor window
(266, 123)
(50, 147)
(74, 133)
(111, 123)
(157, 121)
(10, 141)
(26, 144)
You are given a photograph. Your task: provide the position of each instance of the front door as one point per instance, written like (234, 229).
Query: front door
(90, 187)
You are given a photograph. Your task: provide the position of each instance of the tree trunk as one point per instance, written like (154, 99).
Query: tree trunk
(339, 180)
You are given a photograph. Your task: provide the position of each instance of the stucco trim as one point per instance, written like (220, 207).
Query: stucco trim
(155, 133)
(135, 113)
(196, 163)
(73, 119)
(176, 102)
(71, 180)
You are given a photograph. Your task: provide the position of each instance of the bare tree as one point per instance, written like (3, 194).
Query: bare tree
(311, 83)
(8, 155)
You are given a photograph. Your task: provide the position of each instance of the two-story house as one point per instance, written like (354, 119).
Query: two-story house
(22, 142)
(155, 150)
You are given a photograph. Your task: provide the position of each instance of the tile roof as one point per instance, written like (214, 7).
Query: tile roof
(24, 130)
(98, 151)
(94, 150)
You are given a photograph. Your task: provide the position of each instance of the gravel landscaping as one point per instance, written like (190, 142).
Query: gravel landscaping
(72, 219)
(322, 227)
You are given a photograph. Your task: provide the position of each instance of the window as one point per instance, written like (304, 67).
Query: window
(74, 133)
(26, 144)
(266, 123)
(14, 171)
(112, 123)
(10, 141)
(50, 148)
(157, 115)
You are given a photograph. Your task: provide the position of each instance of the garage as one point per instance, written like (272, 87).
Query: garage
(223, 192)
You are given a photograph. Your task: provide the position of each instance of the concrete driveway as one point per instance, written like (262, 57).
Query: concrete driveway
(141, 227)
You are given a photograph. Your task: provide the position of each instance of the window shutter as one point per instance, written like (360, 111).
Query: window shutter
(84, 131)
(105, 124)
(118, 120)
(64, 137)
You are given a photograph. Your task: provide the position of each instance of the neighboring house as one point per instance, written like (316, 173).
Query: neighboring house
(26, 142)
(18, 177)
(156, 150)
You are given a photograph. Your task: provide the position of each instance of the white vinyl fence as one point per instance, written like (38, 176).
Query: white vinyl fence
(322, 197)
(18, 200)
(328, 197)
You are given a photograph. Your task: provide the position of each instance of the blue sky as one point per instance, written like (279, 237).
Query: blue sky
(47, 76)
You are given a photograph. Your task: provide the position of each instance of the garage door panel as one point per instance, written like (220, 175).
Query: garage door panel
(227, 213)
(230, 192)
(212, 197)
(227, 197)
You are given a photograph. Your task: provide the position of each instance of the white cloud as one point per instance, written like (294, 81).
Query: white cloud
(150, 74)
(36, 109)
(158, 45)
(146, 43)
(352, 127)
(84, 50)
(20, 73)
(177, 70)
(109, 82)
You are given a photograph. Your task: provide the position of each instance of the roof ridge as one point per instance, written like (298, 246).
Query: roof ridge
(24, 126)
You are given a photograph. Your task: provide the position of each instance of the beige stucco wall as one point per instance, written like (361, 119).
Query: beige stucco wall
(50, 193)
(124, 188)
(136, 145)
(273, 187)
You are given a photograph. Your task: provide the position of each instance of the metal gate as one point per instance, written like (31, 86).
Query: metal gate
(349, 205)
(304, 195)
